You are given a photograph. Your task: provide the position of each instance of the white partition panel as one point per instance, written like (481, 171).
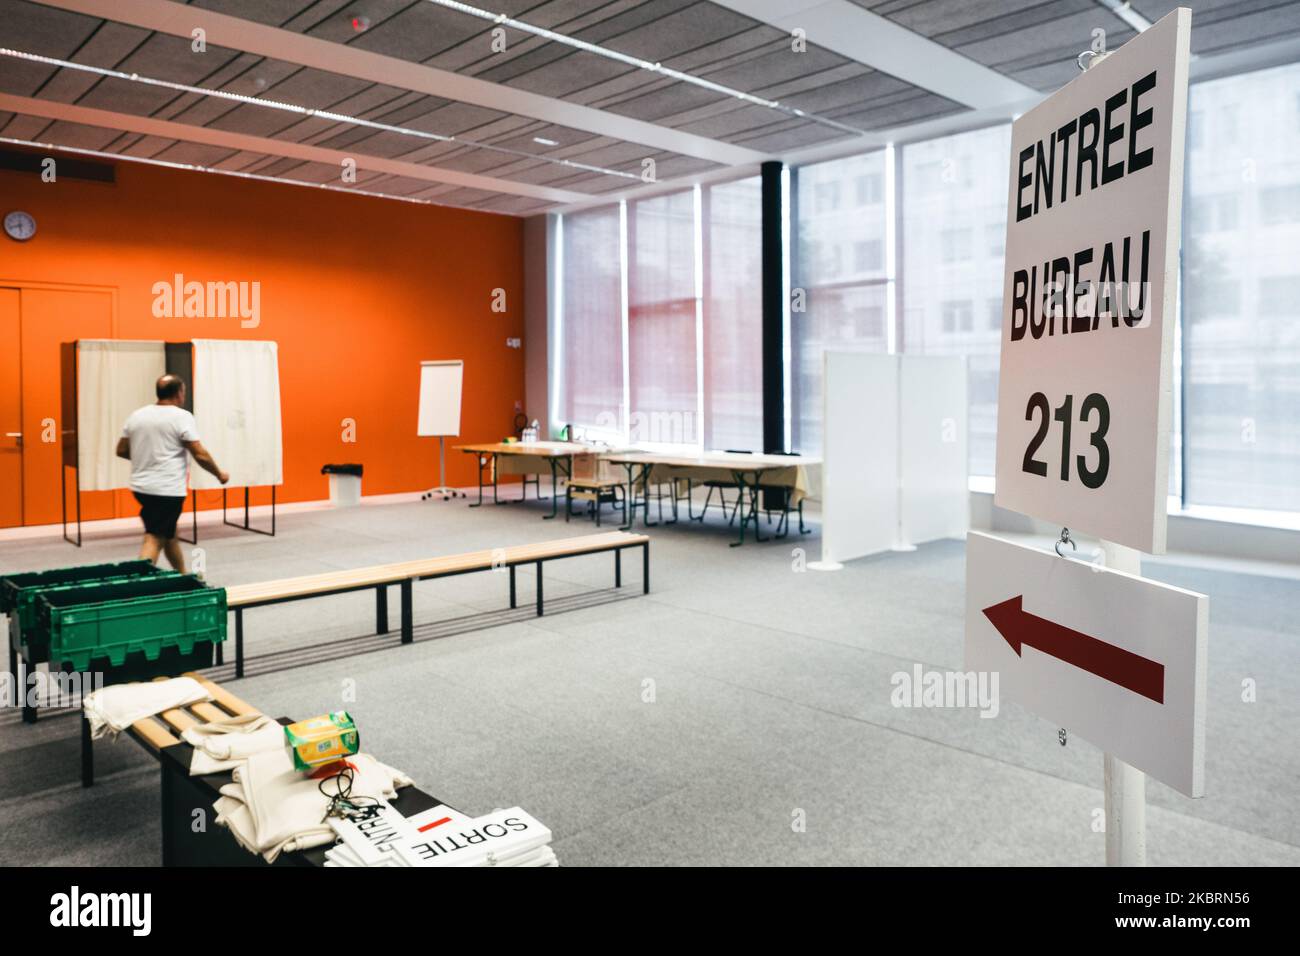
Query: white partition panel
(935, 493)
(860, 448)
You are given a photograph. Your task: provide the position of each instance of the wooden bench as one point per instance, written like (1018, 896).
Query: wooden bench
(185, 797)
(404, 574)
(155, 733)
(163, 730)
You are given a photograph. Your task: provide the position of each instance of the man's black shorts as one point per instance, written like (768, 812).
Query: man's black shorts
(159, 514)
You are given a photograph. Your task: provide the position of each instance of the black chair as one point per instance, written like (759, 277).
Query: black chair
(679, 489)
(783, 494)
(720, 487)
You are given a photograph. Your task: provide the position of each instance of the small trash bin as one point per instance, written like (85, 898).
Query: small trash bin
(345, 485)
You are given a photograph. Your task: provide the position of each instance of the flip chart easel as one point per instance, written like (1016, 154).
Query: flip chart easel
(440, 393)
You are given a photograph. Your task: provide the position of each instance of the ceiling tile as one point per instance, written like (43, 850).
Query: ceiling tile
(44, 30)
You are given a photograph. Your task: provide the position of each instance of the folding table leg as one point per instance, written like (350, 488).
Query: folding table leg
(618, 567)
(629, 500)
(539, 589)
(513, 602)
(555, 489)
(740, 510)
(239, 642)
(479, 503)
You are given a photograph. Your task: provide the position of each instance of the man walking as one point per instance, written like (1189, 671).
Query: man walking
(155, 439)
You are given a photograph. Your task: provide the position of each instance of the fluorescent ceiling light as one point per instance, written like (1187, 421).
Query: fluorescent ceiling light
(500, 19)
(1124, 10)
(543, 141)
(196, 168)
(308, 112)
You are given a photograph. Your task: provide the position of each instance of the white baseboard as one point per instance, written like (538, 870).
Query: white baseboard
(209, 516)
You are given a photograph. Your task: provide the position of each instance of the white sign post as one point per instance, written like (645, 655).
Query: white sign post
(1085, 392)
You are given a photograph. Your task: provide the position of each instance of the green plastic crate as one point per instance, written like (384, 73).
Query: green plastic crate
(138, 616)
(13, 586)
(25, 630)
(18, 594)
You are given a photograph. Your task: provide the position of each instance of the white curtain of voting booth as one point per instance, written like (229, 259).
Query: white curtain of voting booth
(237, 411)
(114, 378)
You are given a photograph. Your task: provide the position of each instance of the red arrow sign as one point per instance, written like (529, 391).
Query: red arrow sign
(1019, 628)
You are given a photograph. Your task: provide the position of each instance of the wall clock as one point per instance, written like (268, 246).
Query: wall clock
(20, 225)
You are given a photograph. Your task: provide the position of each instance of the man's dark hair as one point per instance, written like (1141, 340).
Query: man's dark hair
(169, 386)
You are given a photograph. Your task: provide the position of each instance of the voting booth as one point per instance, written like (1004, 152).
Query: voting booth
(232, 389)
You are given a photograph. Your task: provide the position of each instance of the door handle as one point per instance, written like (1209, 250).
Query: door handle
(17, 435)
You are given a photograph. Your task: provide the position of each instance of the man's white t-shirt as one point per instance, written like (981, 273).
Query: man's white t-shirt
(159, 465)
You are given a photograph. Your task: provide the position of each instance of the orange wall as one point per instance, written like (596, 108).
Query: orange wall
(355, 290)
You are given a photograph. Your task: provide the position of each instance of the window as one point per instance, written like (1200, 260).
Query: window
(591, 341)
(1228, 113)
(1216, 299)
(869, 189)
(662, 320)
(1279, 205)
(953, 189)
(827, 196)
(996, 238)
(956, 317)
(1279, 296)
(954, 245)
(1241, 287)
(1214, 213)
(837, 301)
(733, 315)
(693, 276)
(993, 309)
(869, 256)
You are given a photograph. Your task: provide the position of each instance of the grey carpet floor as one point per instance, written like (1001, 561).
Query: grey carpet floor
(696, 725)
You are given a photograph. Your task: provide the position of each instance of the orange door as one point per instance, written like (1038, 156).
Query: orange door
(11, 411)
(49, 318)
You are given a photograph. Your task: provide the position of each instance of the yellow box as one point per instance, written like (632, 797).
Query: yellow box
(321, 740)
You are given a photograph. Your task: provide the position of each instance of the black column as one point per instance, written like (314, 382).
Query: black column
(179, 360)
(773, 311)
